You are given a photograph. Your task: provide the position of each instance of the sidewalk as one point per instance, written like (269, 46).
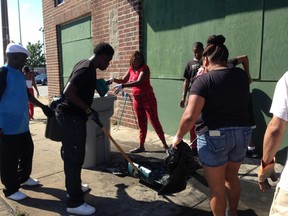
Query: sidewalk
(123, 195)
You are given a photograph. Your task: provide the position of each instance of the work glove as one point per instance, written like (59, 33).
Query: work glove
(118, 88)
(264, 173)
(110, 81)
(93, 115)
(47, 111)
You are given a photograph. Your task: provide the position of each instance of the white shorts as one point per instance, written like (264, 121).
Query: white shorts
(279, 205)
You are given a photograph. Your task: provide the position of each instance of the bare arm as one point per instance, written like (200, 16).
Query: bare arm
(142, 77)
(124, 79)
(70, 92)
(273, 138)
(184, 93)
(190, 115)
(33, 100)
(34, 85)
(244, 60)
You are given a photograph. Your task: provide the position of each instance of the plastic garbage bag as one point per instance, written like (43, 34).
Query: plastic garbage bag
(52, 130)
(180, 163)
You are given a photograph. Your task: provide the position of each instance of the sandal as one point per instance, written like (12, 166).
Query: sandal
(137, 150)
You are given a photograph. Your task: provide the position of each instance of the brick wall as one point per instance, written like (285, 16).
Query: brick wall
(115, 21)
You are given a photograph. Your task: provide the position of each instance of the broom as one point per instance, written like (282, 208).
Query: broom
(135, 170)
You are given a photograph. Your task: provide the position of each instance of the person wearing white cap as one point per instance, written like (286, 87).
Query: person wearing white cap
(16, 48)
(16, 145)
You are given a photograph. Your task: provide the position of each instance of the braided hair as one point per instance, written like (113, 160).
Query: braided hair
(215, 49)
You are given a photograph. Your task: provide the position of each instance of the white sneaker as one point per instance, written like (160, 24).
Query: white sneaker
(17, 196)
(31, 182)
(83, 209)
(84, 188)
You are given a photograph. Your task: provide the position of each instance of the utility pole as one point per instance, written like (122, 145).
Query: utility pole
(43, 44)
(5, 28)
(42, 30)
(19, 23)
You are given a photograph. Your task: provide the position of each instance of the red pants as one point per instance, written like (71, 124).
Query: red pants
(31, 105)
(145, 105)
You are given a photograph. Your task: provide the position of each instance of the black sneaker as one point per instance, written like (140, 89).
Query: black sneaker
(252, 154)
(137, 150)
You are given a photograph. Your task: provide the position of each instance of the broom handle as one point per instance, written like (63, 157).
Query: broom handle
(119, 148)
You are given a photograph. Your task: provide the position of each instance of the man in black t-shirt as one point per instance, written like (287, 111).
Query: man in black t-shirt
(190, 72)
(72, 113)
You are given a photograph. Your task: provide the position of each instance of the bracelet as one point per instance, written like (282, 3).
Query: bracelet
(266, 164)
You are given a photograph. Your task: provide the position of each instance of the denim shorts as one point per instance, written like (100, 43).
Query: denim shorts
(217, 147)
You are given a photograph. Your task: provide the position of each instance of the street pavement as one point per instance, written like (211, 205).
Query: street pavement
(114, 191)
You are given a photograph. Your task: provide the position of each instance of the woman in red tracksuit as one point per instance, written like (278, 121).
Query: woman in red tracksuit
(145, 103)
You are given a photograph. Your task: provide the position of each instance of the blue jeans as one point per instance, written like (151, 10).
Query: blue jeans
(217, 147)
(73, 129)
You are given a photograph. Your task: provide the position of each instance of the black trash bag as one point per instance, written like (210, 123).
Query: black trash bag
(180, 164)
(53, 130)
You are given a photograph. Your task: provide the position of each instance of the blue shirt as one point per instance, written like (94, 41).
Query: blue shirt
(14, 113)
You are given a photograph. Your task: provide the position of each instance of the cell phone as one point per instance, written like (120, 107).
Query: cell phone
(214, 133)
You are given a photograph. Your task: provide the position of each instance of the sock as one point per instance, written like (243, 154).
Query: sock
(251, 148)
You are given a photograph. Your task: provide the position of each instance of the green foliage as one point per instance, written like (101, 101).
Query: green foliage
(37, 58)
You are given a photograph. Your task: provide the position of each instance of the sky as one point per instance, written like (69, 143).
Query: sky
(31, 19)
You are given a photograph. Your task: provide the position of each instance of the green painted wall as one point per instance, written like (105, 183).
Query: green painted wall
(171, 27)
(275, 40)
(256, 28)
(168, 94)
(75, 44)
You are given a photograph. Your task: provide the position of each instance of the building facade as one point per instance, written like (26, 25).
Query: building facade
(73, 28)
(165, 31)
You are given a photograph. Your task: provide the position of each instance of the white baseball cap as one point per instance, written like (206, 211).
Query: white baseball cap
(16, 48)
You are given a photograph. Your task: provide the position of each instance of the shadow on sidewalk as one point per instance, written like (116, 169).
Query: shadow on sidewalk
(122, 205)
(50, 205)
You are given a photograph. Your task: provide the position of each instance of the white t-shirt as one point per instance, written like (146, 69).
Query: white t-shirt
(279, 108)
(29, 83)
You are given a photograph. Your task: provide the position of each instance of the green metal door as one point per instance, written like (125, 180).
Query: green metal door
(75, 45)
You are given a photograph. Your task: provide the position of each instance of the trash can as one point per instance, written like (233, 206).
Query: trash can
(97, 144)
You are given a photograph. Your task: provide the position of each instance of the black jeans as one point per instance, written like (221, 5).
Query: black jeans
(73, 130)
(16, 161)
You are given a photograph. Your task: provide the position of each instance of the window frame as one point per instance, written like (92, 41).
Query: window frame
(59, 2)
